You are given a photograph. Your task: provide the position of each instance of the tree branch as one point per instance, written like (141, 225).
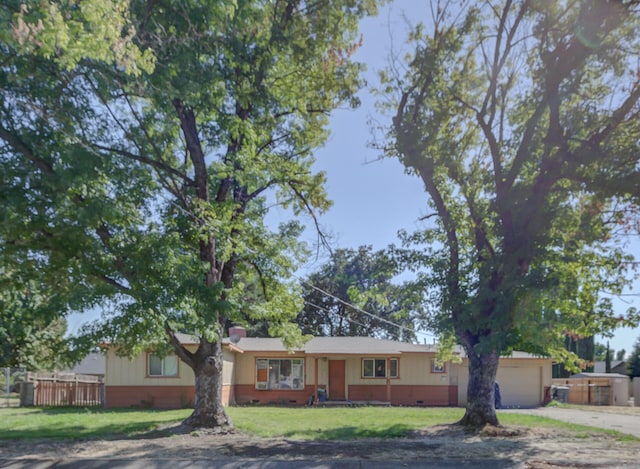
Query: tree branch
(184, 354)
(155, 164)
(27, 152)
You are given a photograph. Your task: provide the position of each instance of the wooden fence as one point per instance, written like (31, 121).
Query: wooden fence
(58, 389)
(593, 391)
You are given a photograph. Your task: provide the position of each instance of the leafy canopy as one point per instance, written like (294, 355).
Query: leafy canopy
(521, 119)
(355, 293)
(137, 177)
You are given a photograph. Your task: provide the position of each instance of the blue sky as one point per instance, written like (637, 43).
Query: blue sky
(373, 198)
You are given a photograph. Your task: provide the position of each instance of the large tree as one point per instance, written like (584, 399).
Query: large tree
(32, 331)
(355, 293)
(521, 117)
(146, 189)
(633, 362)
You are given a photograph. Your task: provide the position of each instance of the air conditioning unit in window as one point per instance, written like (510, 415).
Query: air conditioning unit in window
(261, 385)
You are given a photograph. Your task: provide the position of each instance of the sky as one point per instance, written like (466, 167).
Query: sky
(373, 198)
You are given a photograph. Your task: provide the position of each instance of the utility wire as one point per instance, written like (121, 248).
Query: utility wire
(320, 308)
(378, 318)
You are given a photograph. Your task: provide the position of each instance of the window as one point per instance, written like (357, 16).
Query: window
(280, 373)
(393, 368)
(377, 368)
(166, 366)
(435, 368)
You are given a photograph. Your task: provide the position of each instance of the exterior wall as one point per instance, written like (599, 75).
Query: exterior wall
(128, 385)
(228, 377)
(122, 371)
(149, 396)
(421, 395)
(245, 366)
(248, 394)
(524, 382)
(244, 375)
(416, 383)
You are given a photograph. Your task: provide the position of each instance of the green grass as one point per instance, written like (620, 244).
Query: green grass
(339, 423)
(61, 423)
(294, 423)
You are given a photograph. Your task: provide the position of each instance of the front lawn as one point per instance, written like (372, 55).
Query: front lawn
(339, 423)
(37, 423)
(288, 422)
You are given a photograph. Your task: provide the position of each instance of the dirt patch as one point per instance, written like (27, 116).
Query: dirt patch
(540, 449)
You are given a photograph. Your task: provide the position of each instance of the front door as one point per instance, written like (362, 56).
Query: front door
(337, 380)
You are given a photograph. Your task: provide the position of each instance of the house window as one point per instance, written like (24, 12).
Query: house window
(162, 366)
(393, 368)
(281, 373)
(435, 368)
(377, 368)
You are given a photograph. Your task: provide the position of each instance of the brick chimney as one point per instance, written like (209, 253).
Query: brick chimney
(237, 331)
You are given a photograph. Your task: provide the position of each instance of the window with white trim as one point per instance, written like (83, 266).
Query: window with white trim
(162, 366)
(438, 368)
(377, 368)
(280, 373)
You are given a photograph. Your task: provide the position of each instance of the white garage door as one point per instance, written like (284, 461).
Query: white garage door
(520, 386)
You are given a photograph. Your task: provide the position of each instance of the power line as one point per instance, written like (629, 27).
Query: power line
(333, 312)
(619, 294)
(378, 318)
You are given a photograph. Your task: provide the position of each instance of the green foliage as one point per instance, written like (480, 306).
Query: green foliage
(365, 279)
(68, 33)
(525, 135)
(145, 189)
(31, 328)
(600, 352)
(633, 362)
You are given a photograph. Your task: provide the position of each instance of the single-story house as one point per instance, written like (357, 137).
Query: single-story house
(617, 366)
(263, 371)
(93, 364)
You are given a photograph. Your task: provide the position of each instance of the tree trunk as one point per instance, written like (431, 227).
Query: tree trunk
(208, 410)
(480, 409)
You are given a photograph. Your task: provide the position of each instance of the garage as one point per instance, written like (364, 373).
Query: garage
(523, 379)
(519, 386)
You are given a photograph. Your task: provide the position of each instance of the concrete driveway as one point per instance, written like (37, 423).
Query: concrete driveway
(625, 423)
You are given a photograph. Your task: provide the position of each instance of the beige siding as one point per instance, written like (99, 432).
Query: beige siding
(414, 370)
(520, 386)
(122, 371)
(522, 381)
(228, 367)
(323, 371)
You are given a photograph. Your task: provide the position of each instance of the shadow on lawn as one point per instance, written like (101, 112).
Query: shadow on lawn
(352, 433)
(65, 426)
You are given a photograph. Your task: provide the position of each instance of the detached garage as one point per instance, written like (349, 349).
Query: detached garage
(524, 379)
